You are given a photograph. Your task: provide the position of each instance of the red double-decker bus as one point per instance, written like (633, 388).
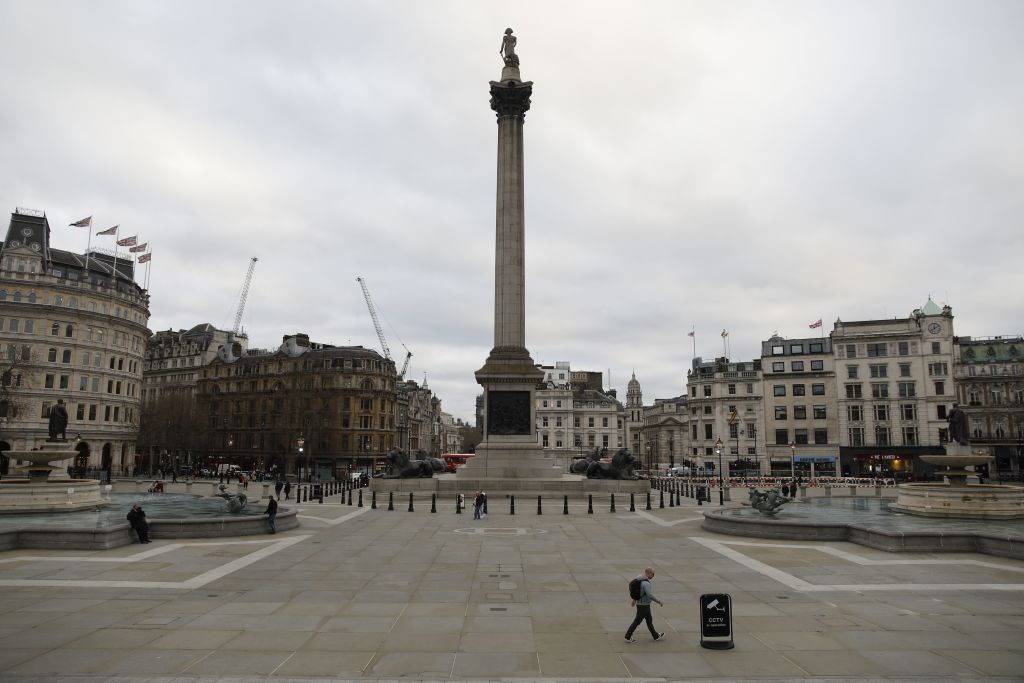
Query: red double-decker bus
(454, 460)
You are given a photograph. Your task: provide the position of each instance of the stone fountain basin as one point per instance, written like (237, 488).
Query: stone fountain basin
(956, 461)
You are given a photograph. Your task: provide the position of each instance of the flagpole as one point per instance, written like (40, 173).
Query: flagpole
(693, 334)
(88, 247)
(117, 236)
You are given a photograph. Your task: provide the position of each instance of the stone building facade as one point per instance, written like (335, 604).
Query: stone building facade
(989, 376)
(663, 434)
(304, 408)
(575, 414)
(801, 434)
(895, 385)
(72, 327)
(725, 403)
(175, 358)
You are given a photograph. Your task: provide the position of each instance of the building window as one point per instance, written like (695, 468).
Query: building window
(780, 412)
(879, 390)
(51, 355)
(779, 390)
(781, 437)
(544, 438)
(708, 431)
(853, 391)
(796, 348)
(797, 366)
(905, 370)
(590, 422)
(734, 432)
(817, 347)
(543, 422)
(750, 388)
(908, 412)
(799, 412)
(55, 329)
(907, 389)
(851, 371)
(800, 436)
(817, 390)
(879, 350)
(851, 350)
(778, 366)
(732, 389)
(903, 348)
(879, 370)
(820, 435)
(48, 382)
(882, 436)
(936, 347)
(707, 390)
(938, 369)
(856, 436)
(65, 356)
(881, 412)
(778, 350)
(799, 390)
(817, 365)
(820, 412)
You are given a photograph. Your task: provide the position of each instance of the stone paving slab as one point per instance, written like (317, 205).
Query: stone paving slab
(413, 596)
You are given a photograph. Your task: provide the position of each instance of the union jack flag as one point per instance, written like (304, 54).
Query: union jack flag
(141, 247)
(145, 257)
(109, 231)
(84, 223)
(128, 241)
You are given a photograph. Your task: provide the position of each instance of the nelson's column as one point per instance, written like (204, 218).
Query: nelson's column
(509, 377)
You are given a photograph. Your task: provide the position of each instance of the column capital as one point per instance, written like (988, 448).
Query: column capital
(510, 98)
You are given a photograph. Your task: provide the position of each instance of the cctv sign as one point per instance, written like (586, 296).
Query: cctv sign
(716, 621)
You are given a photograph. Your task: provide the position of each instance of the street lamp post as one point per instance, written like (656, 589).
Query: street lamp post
(721, 492)
(792, 461)
(300, 443)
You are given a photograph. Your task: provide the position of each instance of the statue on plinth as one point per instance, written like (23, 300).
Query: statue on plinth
(58, 416)
(508, 49)
(400, 466)
(621, 467)
(958, 430)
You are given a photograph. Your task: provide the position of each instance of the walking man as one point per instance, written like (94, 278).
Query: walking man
(643, 606)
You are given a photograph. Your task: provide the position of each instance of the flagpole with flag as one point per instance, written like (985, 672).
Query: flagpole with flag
(85, 223)
(126, 242)
(693, 335)
(725, 342)
(817, 323)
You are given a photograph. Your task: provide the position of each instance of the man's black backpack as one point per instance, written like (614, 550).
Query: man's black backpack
(636, 591)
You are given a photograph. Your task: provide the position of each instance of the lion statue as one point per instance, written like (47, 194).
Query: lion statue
(621, 467)
(436, 464)
(583, 464)
(400, 466)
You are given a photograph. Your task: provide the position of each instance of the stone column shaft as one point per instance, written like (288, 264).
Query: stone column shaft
(509, 260)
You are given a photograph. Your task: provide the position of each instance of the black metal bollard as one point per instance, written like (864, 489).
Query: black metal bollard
(671, 499)
(391, 500)
(679, 503)
(360, 498)
(632, 503)
(648, 501)
(433, 503)
(590, 503)
(410, 502)
(661, 499)
(350, 496)
(539, 511)
(512, 505)
(565, 505)
(485, 505)
(321, 501)
(700, 497)
(373, 500)
(458, 503)
(612, 509)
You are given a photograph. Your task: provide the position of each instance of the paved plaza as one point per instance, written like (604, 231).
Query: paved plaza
(357, 593)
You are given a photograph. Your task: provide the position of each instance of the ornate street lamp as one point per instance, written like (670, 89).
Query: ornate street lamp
(792, 460)
(721, 492)
(300, 442)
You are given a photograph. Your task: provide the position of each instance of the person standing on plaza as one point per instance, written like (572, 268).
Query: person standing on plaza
(643, 606)
(478, 504)
(271, 513)
(137, 519)
(277, 488)
(287, 490)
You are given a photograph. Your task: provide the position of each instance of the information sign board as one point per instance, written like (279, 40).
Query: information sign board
(716, 621)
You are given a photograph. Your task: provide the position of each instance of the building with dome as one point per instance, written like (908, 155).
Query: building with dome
(72, 327)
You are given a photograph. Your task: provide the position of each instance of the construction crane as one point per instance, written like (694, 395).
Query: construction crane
(243, 296)
(380, 332)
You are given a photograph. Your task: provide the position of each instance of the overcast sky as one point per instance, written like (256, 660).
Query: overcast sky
(749, 166)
